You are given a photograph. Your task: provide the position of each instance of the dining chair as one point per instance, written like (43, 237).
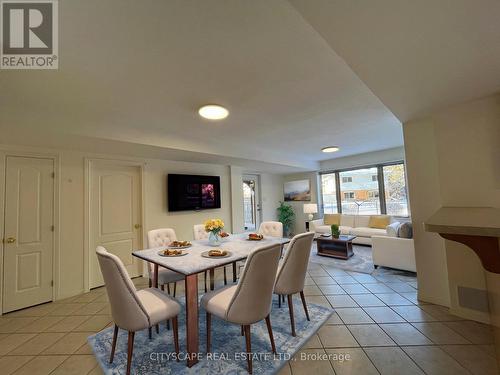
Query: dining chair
(271, 228)
(134, 310)
(250, 300)
(199, 233)
(292, 270)
(159, 238)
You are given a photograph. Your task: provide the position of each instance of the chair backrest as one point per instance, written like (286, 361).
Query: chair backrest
(252, 299)
(292, 272)
(199, 232)
(271, 228)
(126, 308)
(158, 238)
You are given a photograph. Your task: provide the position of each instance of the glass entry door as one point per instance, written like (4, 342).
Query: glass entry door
(251, 203)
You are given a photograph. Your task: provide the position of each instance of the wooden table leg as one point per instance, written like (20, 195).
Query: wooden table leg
(192, 319)
(155, 276)
(212, 278)
(234, 272)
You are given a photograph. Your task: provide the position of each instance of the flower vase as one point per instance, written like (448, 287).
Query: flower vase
(214, 239)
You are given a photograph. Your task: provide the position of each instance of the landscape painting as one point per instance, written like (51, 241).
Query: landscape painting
(297, 190)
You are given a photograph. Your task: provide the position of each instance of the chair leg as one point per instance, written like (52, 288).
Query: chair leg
(234, 272)
(157, 328)
(162, 287)
(249, 348)
(168, 288)
(271, 337)
(130, 349)
(205, 277)
(209, 331)
(279, 301)
(113, 345)
(150, 283)
(150, 333)
(242, 330)
(290, 309)
(167, 324)
(225, 276)
(175, 288)
(175, 327)
(304, 304)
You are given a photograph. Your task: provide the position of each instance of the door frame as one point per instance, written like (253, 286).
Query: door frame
(87, 237)
(5, 152)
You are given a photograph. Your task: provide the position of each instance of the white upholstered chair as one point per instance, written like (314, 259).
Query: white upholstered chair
(159, 238)
(199, 233)
(292, 272)
(134, 310)
(250, 300)
(271, 228)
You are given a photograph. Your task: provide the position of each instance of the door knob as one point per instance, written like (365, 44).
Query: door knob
(137, 226)
(11, 240)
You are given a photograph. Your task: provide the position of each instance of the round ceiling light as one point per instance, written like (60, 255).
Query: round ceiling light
(213, 112)
(330, 149)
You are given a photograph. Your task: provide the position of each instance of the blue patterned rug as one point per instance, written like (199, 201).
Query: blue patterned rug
(228, 346)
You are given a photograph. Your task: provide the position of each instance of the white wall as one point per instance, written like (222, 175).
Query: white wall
(453, 159)
(360, 160)
(271, 192)
(69, 279)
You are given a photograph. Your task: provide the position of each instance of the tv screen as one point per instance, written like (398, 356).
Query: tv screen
(192, 192)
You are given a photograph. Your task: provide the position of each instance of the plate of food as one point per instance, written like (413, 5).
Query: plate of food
(172, 253)
(255, 237)
(179, 244)
(216, 253)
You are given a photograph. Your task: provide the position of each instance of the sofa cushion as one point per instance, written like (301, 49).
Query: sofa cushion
(361, 221)
(368, 232)
(379, 221)
(406, 230)
(347, 220)
(331, 219)
(393, 229)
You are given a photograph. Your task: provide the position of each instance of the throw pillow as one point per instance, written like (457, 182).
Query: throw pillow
(406, 230)
(393, 229)
(379, 221)
(331, 219)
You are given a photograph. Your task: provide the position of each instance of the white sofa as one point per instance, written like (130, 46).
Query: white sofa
(355, 225)
(394, 252)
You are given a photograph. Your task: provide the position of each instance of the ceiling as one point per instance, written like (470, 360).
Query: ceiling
(137, 71)
(295, 75)
(416, 56)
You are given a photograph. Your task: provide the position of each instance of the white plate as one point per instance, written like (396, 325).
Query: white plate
(180, 247)
(160, 253)
(205, 255)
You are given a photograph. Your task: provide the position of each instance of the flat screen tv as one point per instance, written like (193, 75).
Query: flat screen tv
(192, 192)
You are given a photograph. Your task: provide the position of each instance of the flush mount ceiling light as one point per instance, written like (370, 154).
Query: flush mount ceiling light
(213, 112)
(330, 149)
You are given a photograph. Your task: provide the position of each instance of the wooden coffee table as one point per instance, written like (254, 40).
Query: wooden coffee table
(340, 247)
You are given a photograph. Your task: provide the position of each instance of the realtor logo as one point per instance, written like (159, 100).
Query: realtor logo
(29, 34)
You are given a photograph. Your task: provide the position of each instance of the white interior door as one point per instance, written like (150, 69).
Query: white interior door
(115, 215)
(28, 236)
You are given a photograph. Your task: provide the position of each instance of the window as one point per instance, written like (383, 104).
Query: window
(349, 195)
(355, 195)
(396, 200)
(361, 192)
(328, 187)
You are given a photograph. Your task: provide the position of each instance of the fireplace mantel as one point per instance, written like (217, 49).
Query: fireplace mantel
(476, 227)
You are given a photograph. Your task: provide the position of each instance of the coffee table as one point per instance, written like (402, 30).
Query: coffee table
(340, 247)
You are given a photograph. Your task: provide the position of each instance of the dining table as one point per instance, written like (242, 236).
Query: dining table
(192, 263)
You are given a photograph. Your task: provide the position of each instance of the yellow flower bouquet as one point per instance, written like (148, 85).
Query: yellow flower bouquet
(214, 227)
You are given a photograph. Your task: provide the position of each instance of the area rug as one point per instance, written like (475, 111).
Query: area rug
(228, 346)
(361, 261)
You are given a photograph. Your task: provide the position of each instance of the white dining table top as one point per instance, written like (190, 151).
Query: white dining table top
(238, 244)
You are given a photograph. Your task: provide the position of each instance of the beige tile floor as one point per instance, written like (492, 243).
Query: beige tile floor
(378, 326)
